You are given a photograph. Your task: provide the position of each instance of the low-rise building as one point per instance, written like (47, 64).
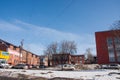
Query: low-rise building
(58, 59)
(77, 59)
(19, 55)
(44, 61)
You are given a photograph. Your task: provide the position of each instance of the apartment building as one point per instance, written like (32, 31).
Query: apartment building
(58, 59)
(18, 55)
(77, 59)
(13, 55)
(108, 46)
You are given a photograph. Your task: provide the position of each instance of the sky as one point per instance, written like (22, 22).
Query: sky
(41, 22)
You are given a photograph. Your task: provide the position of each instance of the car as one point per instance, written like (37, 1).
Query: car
(42, 66)
(104, 66)
(20, 66)
(114, 66)
(3, 64)
(68, 67)
(29, 66)
(35, 66)
(111, 66)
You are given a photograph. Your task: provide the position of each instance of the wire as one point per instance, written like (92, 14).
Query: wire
(63, 11)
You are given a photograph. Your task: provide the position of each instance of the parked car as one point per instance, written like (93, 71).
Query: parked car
(29, 66)
(114, 66)
(111, 66)
(104, 66)
(68, 67)
(42, 66)
(35, 66)
(3, 64)
(20, 66)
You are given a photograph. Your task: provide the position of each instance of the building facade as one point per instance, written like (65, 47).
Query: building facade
(58, 59)
(44, 61)
(108, 46)
(77, 59)
(19, 55)
(13, 55)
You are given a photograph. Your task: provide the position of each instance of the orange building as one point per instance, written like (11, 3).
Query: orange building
(13, 56)
(18, 55)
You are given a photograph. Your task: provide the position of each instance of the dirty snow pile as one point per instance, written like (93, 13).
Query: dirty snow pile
(85, 74)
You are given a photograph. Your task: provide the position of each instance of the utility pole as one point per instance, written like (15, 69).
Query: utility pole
(21, 47)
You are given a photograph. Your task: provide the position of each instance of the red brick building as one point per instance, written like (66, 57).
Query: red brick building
(108, 46)
(58, 59)
(77, 59)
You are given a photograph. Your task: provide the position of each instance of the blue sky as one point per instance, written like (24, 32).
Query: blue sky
(40, 22)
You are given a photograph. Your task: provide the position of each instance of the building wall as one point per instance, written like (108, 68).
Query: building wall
(24, 56)
(67, 59)
(17, 55)
(29, 57)
(44, 61)
(77, 59)
(106, 47)
(3, 47)
(38, 60)
(58, 59)
(13, 55)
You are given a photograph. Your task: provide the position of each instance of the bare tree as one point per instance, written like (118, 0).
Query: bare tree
(51, 49)
(116, 25)
(89, 56)
(68, 47)
(115, 28)
(64, 47)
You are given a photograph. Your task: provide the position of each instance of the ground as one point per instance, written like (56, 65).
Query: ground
(99, 74)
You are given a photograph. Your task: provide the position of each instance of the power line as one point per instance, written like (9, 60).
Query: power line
(64, 9)
(71, 3)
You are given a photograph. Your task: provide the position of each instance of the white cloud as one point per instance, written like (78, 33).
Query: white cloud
(5, 26)
(36, 48)
(46, 32)
(37, 37)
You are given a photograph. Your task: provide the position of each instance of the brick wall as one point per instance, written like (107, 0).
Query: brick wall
(58, 59)
(3, 47)
(77, 59)
(15, 54)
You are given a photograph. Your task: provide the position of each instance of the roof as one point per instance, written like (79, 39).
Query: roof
(7, 43)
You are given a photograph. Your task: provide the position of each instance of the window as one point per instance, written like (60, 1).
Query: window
(80, 62)
(117, 47)
(117, 40)
(110, 50)
(111, 56)
(109, 41)
(118, 55)
(117, 43)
